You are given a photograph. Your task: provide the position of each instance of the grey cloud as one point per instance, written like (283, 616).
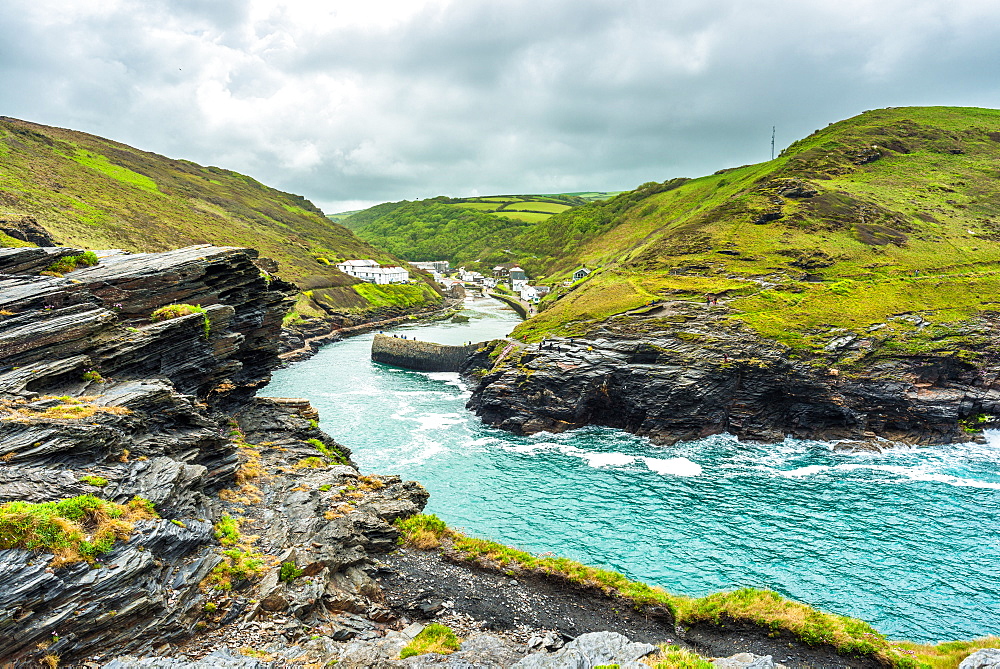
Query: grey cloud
(518, 96)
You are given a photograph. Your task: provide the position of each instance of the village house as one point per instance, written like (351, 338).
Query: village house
(581, 273)
(533, 294)
(372, 272)
(469, 276)
(439, 266)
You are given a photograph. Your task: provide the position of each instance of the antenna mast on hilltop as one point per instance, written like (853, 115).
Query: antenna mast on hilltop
(772, 142)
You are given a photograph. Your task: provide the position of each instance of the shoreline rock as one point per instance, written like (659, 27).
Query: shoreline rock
(678, 382)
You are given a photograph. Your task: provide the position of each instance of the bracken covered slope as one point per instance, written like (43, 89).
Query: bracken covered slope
(90, 192)
(893, 211)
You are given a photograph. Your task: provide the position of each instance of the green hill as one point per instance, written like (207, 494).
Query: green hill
(473, 231)
(888, 220)
(95, 193)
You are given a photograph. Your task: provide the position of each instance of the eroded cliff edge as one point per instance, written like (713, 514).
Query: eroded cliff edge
(681, 371)
(96, 399)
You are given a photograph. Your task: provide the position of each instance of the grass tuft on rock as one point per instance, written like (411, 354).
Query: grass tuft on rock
(675, 657)
(70, 263)
(98, 481)
(73, 530)
(227, 530)
(172, 311)
(330, 452)
(435, 638)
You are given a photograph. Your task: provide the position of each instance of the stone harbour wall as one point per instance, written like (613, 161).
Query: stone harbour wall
(423, 356)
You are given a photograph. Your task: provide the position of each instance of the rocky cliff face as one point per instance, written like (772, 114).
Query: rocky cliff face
(681, 373)
(95, 399)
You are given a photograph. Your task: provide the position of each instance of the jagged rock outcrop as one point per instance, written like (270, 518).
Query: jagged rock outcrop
(97, 399)
(691, 376)
(26, 229)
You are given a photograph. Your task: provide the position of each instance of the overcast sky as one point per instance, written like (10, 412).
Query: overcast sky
(352, 102)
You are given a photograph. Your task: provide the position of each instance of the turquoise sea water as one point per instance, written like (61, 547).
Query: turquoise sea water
(907, 540)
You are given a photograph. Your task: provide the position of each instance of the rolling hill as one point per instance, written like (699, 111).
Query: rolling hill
(888, 220)
(474, 231)
(95, 193)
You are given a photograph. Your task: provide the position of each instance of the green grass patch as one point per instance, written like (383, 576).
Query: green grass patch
(289, 572)
(100, 163)
(526, 216)
(537, 206)
(393, 294)
(312, 462)
(947, 655)
(98, 481)
(435, 638)
(227, 531)
(70, 263)
(675, 657)
(172, 311)
(72, 530)
(328, 451)
(240, 563)
(6, 241)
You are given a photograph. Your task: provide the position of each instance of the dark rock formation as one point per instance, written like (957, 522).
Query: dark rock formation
(26, 229)
(96, 399)
(697, 376)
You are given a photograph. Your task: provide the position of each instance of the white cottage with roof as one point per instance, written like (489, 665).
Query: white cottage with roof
(372, 272)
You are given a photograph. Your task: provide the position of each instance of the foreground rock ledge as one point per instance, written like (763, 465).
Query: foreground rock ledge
(97, 399)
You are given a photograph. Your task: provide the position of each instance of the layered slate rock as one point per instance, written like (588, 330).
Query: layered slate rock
(97, 399)
(689, 375)
(99, 317)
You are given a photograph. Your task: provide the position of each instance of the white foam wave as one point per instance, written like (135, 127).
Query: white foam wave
(673, 466)
(418, 452)
(913, 473)
(598, 460)
(958, 481)
(437, 421)
(804, 471)
(450, 378)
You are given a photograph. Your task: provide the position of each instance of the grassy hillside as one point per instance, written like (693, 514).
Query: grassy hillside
(475, 231)
(892, 213)
(95, 193)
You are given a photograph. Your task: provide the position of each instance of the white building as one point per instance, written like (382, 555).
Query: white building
(581, 273)
(470, 277)
(440, 266)
(372, 272)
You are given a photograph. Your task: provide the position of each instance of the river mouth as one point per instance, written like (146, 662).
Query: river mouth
(905, 539)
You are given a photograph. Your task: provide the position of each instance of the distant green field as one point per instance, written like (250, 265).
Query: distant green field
(592, 196)
(338, 217)
(478, 232)
(529, 216)
(482, 206)
(534, 205)
(503, 204)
